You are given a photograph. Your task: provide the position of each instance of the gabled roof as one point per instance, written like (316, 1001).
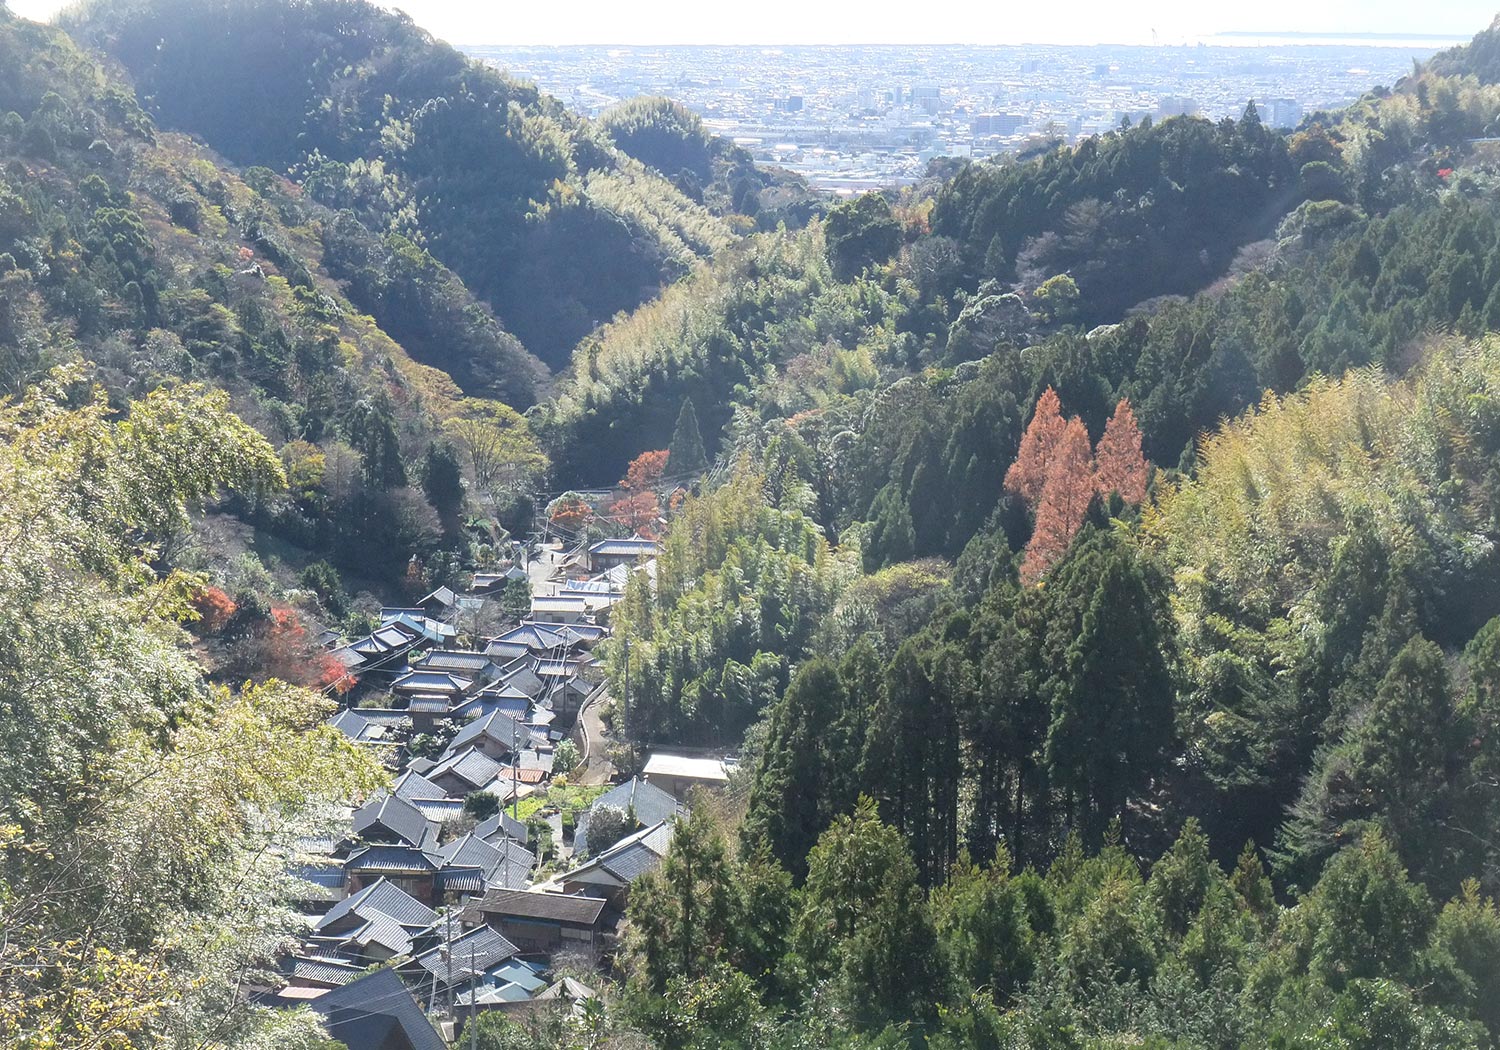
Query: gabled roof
(649, 803)
(444, 596)
(476, 952)
(469, 764)
(377, 1013)
(497, 726)
(490, 857)
(456, 661)
(423, 704)
(511, 701)
(324, 971)
(533, 636)
(394, 814)
(413, 786)
(631, 857)
(356, 726)
(381, 897)
(438, 810)
(539, 905)
(573, 632)
(501, 824)
(631, 548)
(424, 681)
(392, 858)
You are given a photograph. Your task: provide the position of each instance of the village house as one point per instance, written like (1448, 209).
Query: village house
(646, 803)
(537, 921)
(611, 874)
(607, 554)
(679, 774)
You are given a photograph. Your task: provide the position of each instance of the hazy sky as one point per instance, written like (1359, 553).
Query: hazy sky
(930, 21)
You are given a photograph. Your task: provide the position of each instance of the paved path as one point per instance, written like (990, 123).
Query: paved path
(597, 768)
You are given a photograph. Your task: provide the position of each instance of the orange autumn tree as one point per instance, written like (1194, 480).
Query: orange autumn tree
(645, 471)
(1067, 490)
(639, 508)
(214, 608)
(1028, 474)
(571, 511)
(1119, 465)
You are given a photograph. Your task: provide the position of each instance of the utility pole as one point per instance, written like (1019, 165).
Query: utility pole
(473, 996)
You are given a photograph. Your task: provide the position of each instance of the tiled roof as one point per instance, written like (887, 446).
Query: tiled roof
(414, 787)
(455, 660)
(394, 814)
(385, 898)
(501, 823)
(371, 1011)
(324, 971)
(424, 681)
(352, 724)
(392, 858)
(384, 931)
(472, 849)
(537, 904)
(631, 863)
(466, 879)
(438, 810)
(498, 726)
(633, 855)
(428, 705)
(476, 952)
(533, 636)
(650, 804)
(470, 765)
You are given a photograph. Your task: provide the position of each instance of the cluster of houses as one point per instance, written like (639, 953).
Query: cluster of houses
(432, 903)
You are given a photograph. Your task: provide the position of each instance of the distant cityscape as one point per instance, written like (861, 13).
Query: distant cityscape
(851, 118)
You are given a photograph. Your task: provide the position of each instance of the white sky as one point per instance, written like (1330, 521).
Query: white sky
(890, 22)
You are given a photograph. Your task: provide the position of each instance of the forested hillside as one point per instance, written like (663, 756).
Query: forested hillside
(1091, 558)
(1099, 580)
(536, 210)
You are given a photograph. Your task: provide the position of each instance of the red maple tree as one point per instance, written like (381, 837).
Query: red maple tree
(1119, 465)
(214, 608)
(638, 512)
(1028, 474)
(1064, 503)
(571, 513)
(645, 471)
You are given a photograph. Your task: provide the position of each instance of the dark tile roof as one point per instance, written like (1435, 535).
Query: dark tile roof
(385, 898)
(632, 856)
(475, 952)
(394, 814)
(414, 787)
(438, 810)
(650, 804)
(537, 904)
(455, 660)
(498, 726)
(502, 823)
(469, 880)
(324, 971)
(377, 1013)
(631, 863)
(392, 858)
(352, 724)
(474, 850)
(470, 765)
(533, 636)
